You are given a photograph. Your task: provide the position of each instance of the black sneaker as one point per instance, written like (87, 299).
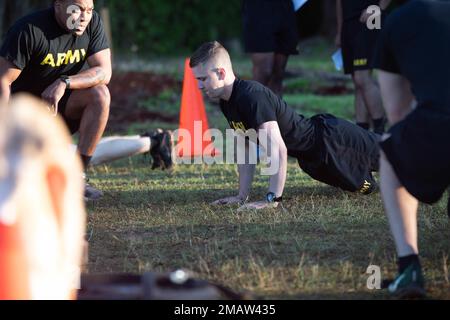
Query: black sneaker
(165, 148)
(157, 162)
(409, 284)
(154, 154)
(161, 148)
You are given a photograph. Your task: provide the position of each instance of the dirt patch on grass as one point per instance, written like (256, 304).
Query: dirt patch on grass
(128, 88)
(318, 82)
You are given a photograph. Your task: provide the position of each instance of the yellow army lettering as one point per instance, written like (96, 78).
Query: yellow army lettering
(366, 187)
(359, 62)
(64, 58)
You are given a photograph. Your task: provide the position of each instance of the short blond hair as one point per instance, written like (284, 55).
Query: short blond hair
(206, 52)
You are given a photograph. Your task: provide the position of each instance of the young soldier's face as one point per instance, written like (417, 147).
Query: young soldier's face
(75, 14)
(210, 80)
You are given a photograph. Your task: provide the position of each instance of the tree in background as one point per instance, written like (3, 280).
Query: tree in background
(178, 26)
(11, 10)
(169, 27)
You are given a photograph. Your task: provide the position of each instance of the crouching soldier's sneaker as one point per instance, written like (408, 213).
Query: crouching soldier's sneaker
(409, 284)
(91, 193)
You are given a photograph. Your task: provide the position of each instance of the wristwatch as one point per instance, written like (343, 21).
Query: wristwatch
(271, 198)
(66, 80)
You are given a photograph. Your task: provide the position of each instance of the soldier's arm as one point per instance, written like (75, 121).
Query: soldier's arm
(100, 71)
(8, 74)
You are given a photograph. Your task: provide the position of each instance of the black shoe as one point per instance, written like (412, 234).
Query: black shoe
(409, 284)
(165, 148)
(154, 155)
(161, 148)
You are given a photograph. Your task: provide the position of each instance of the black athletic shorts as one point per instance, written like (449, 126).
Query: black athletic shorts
(72, 125)
(419, 152)
(269, 26)
(358, 45)
(344, 155)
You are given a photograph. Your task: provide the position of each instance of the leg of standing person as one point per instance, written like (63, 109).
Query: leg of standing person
(367, 87)
(270, 36)
(400, 206)
(279, 67)
(263, 64)
(361, 114)
(87, 112)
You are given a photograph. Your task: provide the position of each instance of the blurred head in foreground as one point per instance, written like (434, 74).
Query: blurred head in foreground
(42, 217)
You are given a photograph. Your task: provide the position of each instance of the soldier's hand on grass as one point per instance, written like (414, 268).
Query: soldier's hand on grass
(53, 94)
(230, 200)
(258, 205)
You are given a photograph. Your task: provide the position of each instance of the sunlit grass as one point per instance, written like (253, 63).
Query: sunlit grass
(317, 245)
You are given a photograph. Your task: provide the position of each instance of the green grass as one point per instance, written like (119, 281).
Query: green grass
(317, 246)
(314, 55)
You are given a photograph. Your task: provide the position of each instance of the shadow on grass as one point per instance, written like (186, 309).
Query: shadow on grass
(153, 193)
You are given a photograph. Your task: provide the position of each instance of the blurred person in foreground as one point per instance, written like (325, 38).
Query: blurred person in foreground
(42, 215)
(413, 64)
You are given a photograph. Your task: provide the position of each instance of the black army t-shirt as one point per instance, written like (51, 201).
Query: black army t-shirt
(44, 51)
(251, 104)
(415, 43)
(352, 9)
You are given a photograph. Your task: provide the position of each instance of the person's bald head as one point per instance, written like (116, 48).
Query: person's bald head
(74, 15)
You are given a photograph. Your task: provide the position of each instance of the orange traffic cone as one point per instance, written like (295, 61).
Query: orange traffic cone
(194, 136)
(13, 265)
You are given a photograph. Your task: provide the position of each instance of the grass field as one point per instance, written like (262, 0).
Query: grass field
(317, 246)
